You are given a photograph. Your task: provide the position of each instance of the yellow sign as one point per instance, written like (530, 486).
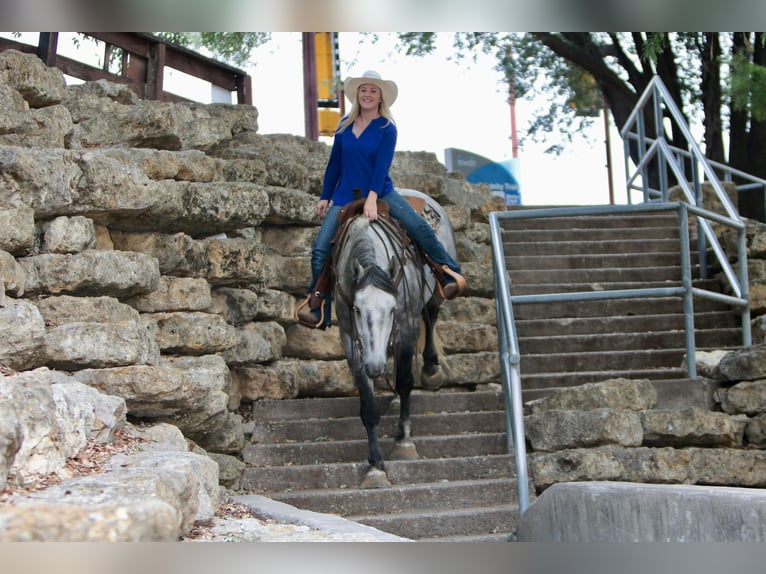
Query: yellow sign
(329, 118)
(326, 65)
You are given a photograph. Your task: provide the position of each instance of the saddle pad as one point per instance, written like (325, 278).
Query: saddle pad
(429, 213)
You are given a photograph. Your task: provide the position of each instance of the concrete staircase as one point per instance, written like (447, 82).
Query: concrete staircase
(311, 453)
(571, 343)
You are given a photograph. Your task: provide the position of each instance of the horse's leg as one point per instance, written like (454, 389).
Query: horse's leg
(370, 414)
(404, 448)
(431, 375)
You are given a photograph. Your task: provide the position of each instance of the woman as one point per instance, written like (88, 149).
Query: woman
(362, 152)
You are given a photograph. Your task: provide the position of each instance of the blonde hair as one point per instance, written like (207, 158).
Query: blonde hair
(383, 110)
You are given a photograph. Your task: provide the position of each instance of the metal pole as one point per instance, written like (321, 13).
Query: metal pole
(512, 103)
(605, 107)
(310, 95)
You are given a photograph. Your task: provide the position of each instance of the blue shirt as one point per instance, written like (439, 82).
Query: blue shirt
(360, 162)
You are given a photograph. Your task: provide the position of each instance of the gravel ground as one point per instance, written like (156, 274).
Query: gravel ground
(256, 518)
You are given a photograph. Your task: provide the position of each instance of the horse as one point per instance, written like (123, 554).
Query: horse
(383, 292)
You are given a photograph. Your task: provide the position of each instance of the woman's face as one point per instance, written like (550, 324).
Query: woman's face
(369, 96)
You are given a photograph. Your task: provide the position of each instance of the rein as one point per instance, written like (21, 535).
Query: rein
(394, 231)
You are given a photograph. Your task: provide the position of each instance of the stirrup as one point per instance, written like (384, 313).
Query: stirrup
(453, 289)
(306, 319)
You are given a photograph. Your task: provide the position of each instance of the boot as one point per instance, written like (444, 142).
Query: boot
(454, 283)
(313, 313)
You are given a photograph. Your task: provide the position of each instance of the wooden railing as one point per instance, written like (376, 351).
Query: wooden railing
(144, 58)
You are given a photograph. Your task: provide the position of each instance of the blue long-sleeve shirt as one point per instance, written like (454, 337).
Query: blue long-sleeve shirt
(360, 162)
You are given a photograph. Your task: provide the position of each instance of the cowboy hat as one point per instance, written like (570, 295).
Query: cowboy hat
(387, 87)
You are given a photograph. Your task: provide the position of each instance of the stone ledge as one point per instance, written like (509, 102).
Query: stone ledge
(632, 512)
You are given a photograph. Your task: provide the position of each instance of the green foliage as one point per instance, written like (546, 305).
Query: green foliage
(231, 47)
(748, 86)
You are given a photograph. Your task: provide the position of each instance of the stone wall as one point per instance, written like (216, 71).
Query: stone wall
(620, 431)
(153, 253)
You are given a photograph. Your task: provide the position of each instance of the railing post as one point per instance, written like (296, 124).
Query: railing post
(686, 281)
(155, 72)
(744, 282)
(47, 47)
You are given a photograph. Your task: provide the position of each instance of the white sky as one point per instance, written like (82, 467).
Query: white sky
(441, 104)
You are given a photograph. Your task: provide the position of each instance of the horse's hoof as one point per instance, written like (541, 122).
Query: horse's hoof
(432, 381)
(375, 479)
(394, 406)
(404, 451)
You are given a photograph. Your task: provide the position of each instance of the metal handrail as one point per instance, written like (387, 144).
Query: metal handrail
(510, 358)
(654, 200)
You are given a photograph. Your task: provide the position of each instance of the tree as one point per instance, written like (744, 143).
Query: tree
(696, 67)
(231, 47)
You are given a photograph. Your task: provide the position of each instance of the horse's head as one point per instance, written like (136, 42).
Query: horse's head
(374, 316)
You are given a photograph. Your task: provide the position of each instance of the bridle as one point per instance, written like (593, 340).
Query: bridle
(396, 234)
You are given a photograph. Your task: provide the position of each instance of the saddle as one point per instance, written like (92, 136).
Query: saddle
(326, 279)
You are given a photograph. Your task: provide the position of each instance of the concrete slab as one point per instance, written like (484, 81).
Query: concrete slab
(264, 507)
(632, 512)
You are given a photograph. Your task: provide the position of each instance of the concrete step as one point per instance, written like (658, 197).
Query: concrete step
(519, 260)
(349, 428)
(566, 326)
(604, 360)
(609, 342)
(673, 393)
(433, 524)
(519, 236)
(422, 402)
(545, 381)
(650, 223)
(404, 498)
(559, 277)
(349, 475)
(519, 244)
(356, 450)
(611, 307)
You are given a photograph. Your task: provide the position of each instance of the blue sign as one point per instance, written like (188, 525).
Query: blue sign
(499, 176)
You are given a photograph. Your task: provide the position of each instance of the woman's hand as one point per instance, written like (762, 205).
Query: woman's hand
(371, 206)
(322, 206)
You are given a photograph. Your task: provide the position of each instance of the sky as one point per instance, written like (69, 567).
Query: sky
(442, 104)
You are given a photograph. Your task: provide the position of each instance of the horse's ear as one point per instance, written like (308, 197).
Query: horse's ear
(393, 267)
(357, 269)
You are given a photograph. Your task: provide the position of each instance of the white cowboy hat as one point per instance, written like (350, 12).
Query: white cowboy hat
(387, 87)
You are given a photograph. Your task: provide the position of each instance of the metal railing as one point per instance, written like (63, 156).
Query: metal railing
(654, 201)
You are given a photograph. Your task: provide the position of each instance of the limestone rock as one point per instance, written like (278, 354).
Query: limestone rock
(745, 364)
(118, 274)
(40, 85)
(83, 345)
(692, 427)
(613, 394)
(59, 310)
(174, 294)
(45, 180)
(193, 333)
(260, 342)
(23, 344)
(66, 235)
(17, 230)
(747, 397)
(560, 430)
(236, 306)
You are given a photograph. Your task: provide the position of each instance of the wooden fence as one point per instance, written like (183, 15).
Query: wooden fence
(144, 58)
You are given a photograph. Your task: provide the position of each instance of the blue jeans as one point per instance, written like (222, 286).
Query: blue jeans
(417, 227)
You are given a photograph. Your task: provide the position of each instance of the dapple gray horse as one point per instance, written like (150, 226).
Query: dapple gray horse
(383, 291)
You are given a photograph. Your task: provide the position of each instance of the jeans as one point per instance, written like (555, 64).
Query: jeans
(417, 227)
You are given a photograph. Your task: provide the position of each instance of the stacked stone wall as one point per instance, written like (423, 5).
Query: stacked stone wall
(155, 253)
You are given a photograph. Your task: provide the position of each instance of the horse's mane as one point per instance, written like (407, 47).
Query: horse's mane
(363, 250)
